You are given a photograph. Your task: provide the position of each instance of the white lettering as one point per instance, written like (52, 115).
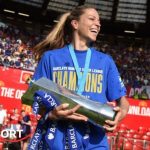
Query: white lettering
(7, 92)
(19, 131)
(35, 139)
(141, 111)
(11, 92)
(145, 111)
(10, 133)
(134, 110)
(5, 133)
(72, 137)
(50, 99)
(19, 94)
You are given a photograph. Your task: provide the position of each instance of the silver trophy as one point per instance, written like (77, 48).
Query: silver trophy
(95, 111)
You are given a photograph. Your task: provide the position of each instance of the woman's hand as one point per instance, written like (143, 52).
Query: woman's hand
(62, 112)
(121, 110)
(111, 125)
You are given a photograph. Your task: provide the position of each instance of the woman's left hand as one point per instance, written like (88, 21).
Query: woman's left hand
(111, 125)
(121, 110)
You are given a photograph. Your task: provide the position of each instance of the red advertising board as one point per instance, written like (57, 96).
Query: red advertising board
(12, 86)
(138, 114)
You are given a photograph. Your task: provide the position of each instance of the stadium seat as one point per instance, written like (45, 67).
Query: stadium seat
(122, 131)
(138, 145)
(141, 133)
(148, 133)
(128, 144)
(132, 131)
(143, 129)
(136, 136)
(123, 126)
(145, 137)
(1, 146)
(128, 135)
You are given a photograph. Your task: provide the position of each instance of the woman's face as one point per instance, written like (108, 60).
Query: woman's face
(88, 25)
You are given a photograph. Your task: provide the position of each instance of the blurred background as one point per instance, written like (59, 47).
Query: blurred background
(125, 35)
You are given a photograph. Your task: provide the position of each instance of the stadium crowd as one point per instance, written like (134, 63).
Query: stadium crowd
(16, 51)
(133, 62)
(16, 48)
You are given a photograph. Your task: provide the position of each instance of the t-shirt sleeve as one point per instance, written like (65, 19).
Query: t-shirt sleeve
(115, 85)
(42, 69)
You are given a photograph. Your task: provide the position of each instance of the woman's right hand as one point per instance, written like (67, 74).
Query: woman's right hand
(62, 112)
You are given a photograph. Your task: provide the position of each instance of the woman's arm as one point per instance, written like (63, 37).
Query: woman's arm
(121, 109)
(124, 106)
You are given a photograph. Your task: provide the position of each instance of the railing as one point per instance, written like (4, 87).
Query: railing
(129, 139)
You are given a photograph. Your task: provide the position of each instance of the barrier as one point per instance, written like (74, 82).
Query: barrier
(15, 140)
(12, 86)
(138, 114)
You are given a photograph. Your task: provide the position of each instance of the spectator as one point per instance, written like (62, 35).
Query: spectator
(14, 119)
(26, 127)
(3, 115)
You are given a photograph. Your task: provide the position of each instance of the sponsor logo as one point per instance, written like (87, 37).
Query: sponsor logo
(143, 104)
(25, 76)
(35, 139)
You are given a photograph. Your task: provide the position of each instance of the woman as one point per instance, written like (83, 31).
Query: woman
(65, 53)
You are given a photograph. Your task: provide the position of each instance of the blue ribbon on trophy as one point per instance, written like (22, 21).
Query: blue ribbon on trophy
(42, 98)
(47, 100)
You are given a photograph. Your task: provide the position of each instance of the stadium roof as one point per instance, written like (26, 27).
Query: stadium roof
(118, 17)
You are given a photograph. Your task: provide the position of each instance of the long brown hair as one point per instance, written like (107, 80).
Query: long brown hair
(61, 34)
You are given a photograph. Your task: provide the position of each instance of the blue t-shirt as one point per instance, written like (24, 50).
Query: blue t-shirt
(103, 83)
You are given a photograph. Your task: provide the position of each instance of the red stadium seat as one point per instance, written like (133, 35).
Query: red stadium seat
(142, 129)
(146, 137)
(136, 136)
(122, 131)
(128, 145)
(132, 131)
(148, 133)
(141, 132)
(1, 146)
(128, 135)
(138, 145)
(123, 126)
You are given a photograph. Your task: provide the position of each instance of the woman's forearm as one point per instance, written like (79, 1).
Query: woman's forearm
(124, 105)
